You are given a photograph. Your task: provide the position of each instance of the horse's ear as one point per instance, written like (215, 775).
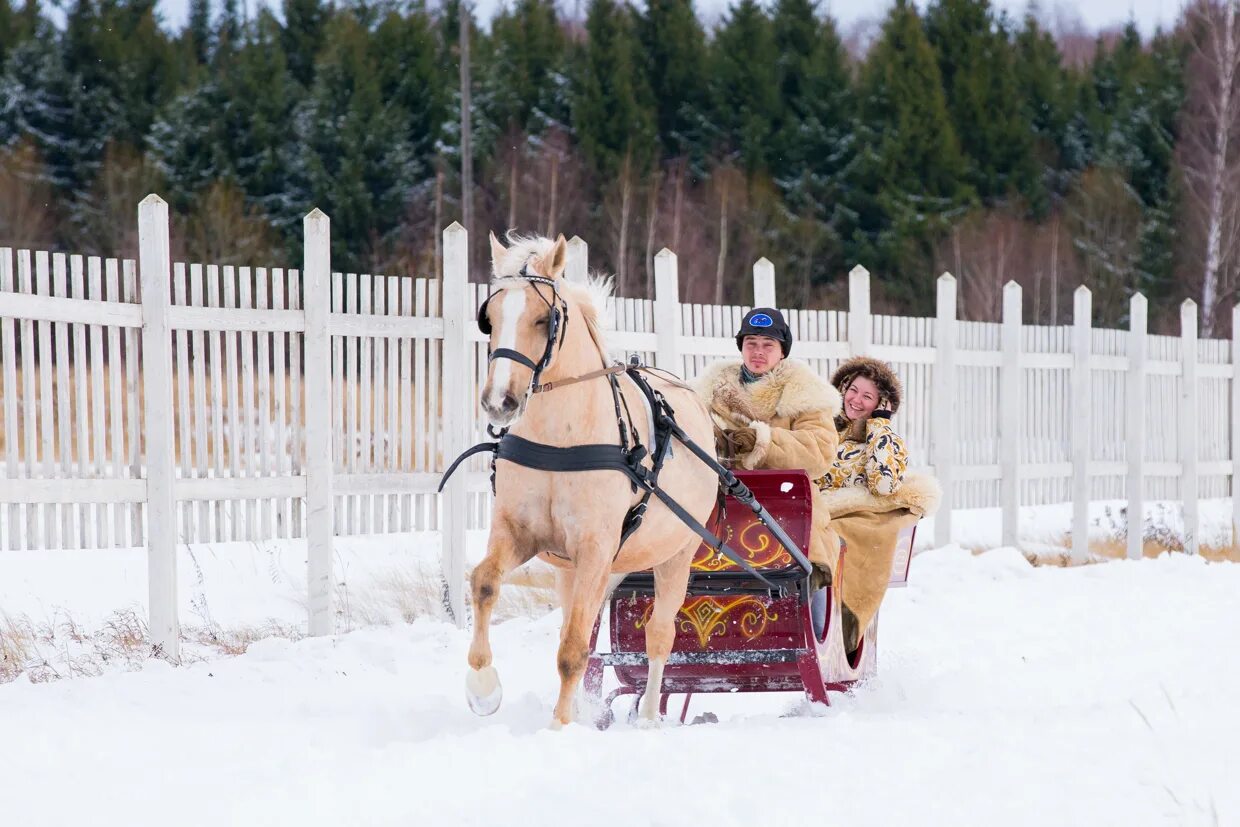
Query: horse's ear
(497, 253)
(553, 263)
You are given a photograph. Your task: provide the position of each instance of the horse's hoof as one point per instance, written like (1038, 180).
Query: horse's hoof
(483, 690)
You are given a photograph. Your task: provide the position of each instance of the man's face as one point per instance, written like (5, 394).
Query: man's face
(761, 353)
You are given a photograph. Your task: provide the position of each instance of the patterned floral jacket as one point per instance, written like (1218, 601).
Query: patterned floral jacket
(877, 462)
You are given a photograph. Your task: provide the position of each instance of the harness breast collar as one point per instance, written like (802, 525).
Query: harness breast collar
(629, 455)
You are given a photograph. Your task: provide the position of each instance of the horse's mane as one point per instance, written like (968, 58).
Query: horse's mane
(593, 298)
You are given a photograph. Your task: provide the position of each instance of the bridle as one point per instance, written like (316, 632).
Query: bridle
(557, 324)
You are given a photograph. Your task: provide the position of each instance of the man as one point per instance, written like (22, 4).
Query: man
(775, 412)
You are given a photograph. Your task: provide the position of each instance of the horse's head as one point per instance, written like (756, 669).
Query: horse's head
(525, 316)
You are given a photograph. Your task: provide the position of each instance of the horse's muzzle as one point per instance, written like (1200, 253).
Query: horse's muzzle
(502, 411)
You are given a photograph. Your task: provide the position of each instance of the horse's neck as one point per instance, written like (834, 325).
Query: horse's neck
(577, 413)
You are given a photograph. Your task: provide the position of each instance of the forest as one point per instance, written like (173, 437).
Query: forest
(953, 138)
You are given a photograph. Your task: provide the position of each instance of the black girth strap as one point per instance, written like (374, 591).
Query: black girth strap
(550, 458)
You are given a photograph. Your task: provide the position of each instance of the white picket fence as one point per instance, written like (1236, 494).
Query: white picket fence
(204, 403)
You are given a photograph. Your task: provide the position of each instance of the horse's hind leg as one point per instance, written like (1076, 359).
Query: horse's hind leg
(482, 686)
(671, 578)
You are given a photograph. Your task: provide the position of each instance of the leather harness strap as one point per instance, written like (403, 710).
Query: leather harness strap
(594, 374)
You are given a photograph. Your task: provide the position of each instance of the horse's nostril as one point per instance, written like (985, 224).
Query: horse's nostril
(509, 403)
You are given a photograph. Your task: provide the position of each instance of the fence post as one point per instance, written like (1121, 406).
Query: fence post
(763, 283)
(859, 311)
(578, 260)
(320, 456)
(1011, 386)
(944, 424)
(1188, 431)
(155, 275)
(667, 311)
(457, 417)
(1135, 404)
(1235, 425)
(1082, 416)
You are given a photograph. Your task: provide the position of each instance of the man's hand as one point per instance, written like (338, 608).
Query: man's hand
(743, 440)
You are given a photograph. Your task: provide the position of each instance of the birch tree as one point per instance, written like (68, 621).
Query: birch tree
(1210, 150)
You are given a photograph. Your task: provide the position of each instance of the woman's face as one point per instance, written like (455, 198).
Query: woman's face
(761, 353)
(860, 398)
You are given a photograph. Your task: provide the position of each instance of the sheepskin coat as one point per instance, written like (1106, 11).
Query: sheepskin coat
(790, 408)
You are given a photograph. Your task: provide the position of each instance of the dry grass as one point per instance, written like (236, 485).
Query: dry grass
(212, 397)
(1102, 551)
(404, 595)
(63, 649)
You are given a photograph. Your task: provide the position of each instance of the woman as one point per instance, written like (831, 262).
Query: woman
(870, 455)
(775, 412)
(867, 490)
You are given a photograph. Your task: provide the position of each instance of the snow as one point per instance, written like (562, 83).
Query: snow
(1006, 694)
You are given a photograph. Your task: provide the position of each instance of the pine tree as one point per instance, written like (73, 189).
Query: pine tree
(353, 160)
(410, 78)
(674, 45)
(1130, 107)
(527, 51)
(977, 66)
(123, 69)
(1044, 87)
(817, 147)
(745, 86)
(613, 114)
(909, 181)
(302, 38)
(198, 35)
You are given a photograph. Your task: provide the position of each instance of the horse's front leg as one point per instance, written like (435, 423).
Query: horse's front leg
(482, 686)
(592, 564)
(671, 579)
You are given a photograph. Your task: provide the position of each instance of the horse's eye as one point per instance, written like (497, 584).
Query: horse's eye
(541, 322)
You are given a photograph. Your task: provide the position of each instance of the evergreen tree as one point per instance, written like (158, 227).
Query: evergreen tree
(16, 24)
(302, 37)
(818, 148)
(674, 44)
(612, 113)
(977, 66)
(909, 181)
(122, 67)
(613, 116)
(527, 52)
(198, 35)
(745, 86)
(1130, 106)
(1044, 87)
(410, 78)
(353, 160)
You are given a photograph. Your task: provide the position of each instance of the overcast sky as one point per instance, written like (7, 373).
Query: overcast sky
(1094, 14)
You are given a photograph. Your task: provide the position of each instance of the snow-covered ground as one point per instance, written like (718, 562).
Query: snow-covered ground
(1007, 694)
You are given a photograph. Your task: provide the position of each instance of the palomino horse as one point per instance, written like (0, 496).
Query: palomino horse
(574, 519)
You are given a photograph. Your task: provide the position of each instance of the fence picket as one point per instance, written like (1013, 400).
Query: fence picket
(116, 405)
(198, 365)
(280, 370)
(8, 353)
(248, 411)
(181, 382)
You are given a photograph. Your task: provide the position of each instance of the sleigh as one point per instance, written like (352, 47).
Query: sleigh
(734, 632)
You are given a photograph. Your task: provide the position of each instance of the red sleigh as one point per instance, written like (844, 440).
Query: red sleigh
(733, 634)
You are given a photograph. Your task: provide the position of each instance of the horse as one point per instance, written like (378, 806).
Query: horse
(574, 520)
